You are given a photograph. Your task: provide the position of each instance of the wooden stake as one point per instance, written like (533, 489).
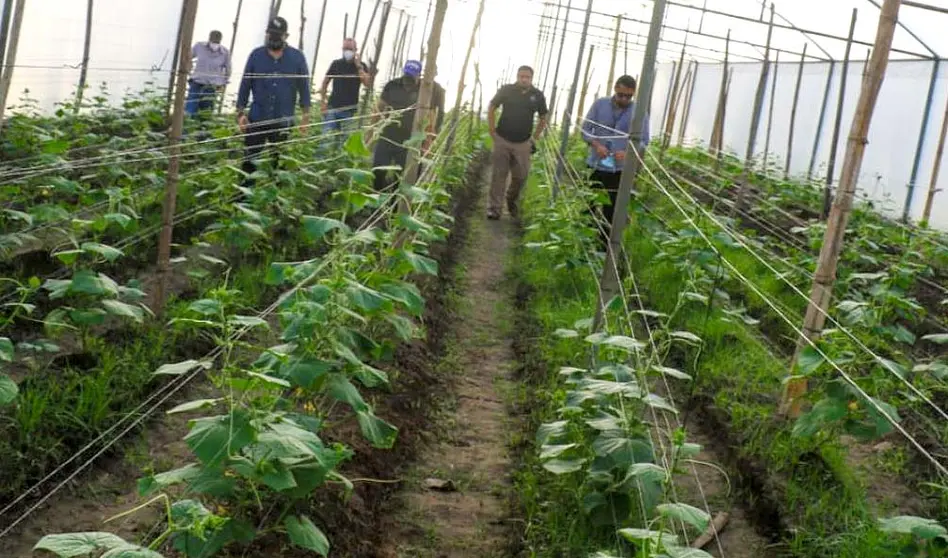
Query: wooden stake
(10, 62)
(189, 12)
(936, 170)
(673, 96)
(365, 39)
(793, 113)
(174, 59)
(615, 53)
(355, 24)
(580, 114)
(687, 114)
(770, 112)
(319, 38)
(713, 530)
(86, 47)
(461, 85)
(825, 276)
(302, 22)
(717, 127)
(834, 145)
(233, 41)
(423, 110)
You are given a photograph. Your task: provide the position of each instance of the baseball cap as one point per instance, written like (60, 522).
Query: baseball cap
(413, 68)
(278, 24)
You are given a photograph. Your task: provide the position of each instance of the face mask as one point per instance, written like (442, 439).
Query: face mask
(215, 47)
(275, 41)
(348, 54)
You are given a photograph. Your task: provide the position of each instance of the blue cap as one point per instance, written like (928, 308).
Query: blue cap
(413, 68)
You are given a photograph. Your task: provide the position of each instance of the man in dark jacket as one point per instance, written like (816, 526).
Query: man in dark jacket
(347, 75)
(275, 76)
(514, 138)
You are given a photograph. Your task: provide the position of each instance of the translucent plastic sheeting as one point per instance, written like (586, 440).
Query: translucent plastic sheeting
(133, 42)
(893, 136)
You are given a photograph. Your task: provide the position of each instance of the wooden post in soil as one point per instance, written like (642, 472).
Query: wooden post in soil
(458, 99)
(673, 100)
(682, 97)
(837, 127)
(345, 25)
(793, 113)
(355, 24)
(549, 61)
(688, 102)
(5, 28)
(174, 58)
(610, 280)
(936, 170)
(233, 41)
(424, 30)
(319, 38)
(368, 29)
(86, 47)
(615, 54)
(10, 62)
(770, 111)
(580, 114)
(755, 121)
(718, 126)
(556, 71)
(571, 100)
(383, 25)
(302, 22)
(275, 6)
(424, 109)
(825, 276)
(171, 187)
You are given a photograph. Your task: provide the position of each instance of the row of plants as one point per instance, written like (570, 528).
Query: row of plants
(260, 454)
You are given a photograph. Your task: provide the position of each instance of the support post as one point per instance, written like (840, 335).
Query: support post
(233, 41)
(567, 121)
(834, 147)
(549, 62)
(355, 24)
(626, 54)
(541, 42)
(717, 129)
(556, 72)
(936, 170)
(615, 54)
(922, 134)
(610, 280)
(345, 25)
(770, 110)
(174, 59)
(687, 114)
(458, 99)
(275, 6)
(189, 11)
(302, 22)
(5, 28)
(365, 39)
(319, 38)
(668, 97)
(821, 120)
(397, 61)
(793, 113)
(86, 47)
(825, 276)
(423, 110)
(585, 90)
(755, 121)
(10, 62)
(424, 30)
(383, 25)
(673, 100)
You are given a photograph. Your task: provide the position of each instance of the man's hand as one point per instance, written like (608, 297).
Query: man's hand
(620, 156)
(304, 123)
(601, 150)
(242, 123)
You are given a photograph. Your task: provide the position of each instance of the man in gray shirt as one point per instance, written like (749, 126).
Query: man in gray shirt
(211, 73)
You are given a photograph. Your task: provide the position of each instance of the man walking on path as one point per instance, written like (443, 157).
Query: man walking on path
(211, 73)
(513, 142)
(400, 94)
(606, 129)
(276, 74)
(347, 75)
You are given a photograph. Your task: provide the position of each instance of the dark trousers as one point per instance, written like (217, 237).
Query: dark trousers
(256, 139)
(609, 182)
(201, 97)
(388, 153)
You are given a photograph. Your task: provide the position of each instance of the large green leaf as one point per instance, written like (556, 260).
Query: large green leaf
(87, 316)
(421, 264)
(213, 439)
(364, 298)
(406, 294)
(151, 483)
(940, 338)
(355, 146)
(380, 433)
(304, 534)
(6, 349)
(691, 515)
(823, 414)
(810, 359)
(564, 466)
(193, 406)
(8, 389)
(316, 226)
(124, 310)
(206, 307)
(341, 389)
(636, 535)
(70, 545)
(109, 253)
(305, 373)
(131, 551)
(87, 282)
(920, 527)
(675, 551)
(183, 367)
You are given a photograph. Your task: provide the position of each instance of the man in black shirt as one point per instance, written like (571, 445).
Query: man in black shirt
(399, 94)
(347, 75)
(514, 138)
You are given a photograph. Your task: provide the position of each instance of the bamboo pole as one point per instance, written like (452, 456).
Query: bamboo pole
(368, 29)
(275, 6)
(566, 127)
(825, 276)
(821, 120)
(687, 115)
(233, 41)
(398, 57)
(615, 54)
(755, 121)
(936, 170)
(424, 110)
(541, 42)
(580, 114)
(319, 37)
(355, 24)
(679, 99)
(770, 111)
(793, 113)
(461, 85)
(424, 30)
(345, 25)
(379, 42)
(834, 146)
(10, 62)
(626, 54)
(717, 127)
(5, 28)
(549, 63)
(673, 96)
(175, 57)
(189, 12)
(556, 72)
(302, 22)
(86, 47)
(920, 148)
(610, 280)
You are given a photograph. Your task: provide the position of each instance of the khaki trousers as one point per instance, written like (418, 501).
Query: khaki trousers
(513, 160)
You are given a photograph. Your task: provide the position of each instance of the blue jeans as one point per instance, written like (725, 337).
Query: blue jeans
(338, 121)
(201, 98)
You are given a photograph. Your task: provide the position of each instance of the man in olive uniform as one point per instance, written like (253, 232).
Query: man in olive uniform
(514, 138)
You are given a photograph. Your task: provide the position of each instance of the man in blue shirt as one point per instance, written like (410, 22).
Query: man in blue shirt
(606, 130)
(210, 75)
(275, 74)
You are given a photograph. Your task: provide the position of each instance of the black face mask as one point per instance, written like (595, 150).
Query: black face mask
(275, 41)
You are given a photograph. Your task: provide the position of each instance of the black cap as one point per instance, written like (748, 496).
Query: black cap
(278, 24)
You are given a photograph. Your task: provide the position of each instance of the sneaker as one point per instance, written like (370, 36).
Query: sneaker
(493, 215)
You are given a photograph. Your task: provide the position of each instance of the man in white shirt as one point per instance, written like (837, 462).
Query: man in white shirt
(211, 73)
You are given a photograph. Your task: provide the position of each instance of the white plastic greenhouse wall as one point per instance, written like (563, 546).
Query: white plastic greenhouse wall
(893, 137)
(133, 41)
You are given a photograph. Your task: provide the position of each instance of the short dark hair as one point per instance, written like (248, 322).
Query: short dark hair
(525, 69)
(216, 35)
(626, 81)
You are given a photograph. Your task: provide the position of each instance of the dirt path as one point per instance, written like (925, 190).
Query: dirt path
(469, 516)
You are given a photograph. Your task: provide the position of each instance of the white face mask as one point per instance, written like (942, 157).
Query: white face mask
(348, 54)
(215, 47)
